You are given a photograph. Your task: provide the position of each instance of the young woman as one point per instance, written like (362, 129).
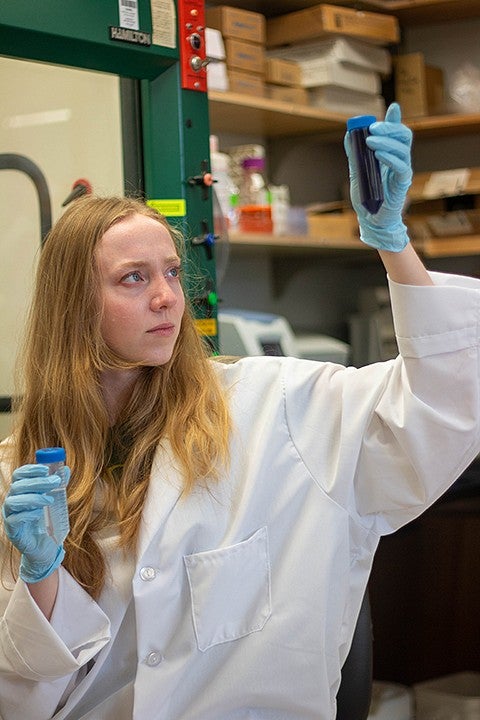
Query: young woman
(223, 516)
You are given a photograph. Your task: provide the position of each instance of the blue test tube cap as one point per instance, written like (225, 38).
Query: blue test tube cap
(45, 456)
(360, 121)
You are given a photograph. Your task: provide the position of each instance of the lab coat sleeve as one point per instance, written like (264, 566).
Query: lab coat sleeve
(38, 658)
(394, 436)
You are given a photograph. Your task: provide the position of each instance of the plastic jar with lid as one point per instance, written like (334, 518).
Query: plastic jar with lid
(254, 211)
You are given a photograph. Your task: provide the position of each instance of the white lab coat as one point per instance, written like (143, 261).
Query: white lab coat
(245, 595)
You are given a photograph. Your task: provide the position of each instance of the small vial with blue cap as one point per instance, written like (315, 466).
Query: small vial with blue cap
(57, 524)
(367, 165)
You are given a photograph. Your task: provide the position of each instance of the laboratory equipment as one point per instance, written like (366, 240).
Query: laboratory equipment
(246, 332)
(56, 515)
(367, 166)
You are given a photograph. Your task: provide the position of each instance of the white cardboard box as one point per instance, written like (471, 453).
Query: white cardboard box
(217, 76)
(316, 73)
(214, 45)
(350, 52)
(347, 102)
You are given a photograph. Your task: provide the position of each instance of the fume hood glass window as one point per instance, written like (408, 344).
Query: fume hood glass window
(66, 124)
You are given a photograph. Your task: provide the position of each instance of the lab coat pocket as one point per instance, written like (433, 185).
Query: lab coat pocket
(230, 590)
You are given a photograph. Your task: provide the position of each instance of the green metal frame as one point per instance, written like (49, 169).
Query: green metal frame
(175, 124)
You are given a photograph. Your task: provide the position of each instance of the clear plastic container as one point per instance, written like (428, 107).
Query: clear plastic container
(368, 168)
(255, 210)
(224, 188)
(56, 515)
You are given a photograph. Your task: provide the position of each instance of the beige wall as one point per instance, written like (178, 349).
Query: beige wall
(67, 122)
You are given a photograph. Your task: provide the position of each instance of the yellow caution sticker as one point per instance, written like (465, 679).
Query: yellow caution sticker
(206, 326)
(169, 208)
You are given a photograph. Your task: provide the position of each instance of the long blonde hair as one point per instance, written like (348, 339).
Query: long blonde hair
(60, 399)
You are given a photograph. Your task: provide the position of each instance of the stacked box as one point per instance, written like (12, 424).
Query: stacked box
(217, 78)
(340, 74)
(344, 50)
(330, 20)
(419, 88)
(243, 33)
(347, 102)
(283, 78)
(235, 23)
(341, 54)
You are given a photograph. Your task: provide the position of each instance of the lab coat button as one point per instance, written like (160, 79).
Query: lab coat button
(148, 573)
(153, 659)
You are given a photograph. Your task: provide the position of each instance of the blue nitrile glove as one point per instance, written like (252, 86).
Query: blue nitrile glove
(23, 518)
(391, 141)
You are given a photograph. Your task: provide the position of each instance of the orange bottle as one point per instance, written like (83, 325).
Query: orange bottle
(254, 211)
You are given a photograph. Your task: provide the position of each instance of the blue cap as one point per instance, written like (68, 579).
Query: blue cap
(50, 455)
(360, 121)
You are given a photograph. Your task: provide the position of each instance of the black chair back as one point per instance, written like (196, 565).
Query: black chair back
(354, 694)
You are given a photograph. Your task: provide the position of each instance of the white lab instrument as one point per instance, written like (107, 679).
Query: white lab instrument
(246, 332)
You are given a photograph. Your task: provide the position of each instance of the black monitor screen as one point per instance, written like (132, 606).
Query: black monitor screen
(271, 347)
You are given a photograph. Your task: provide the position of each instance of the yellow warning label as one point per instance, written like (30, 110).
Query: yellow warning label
(206, 326)
(169, 208)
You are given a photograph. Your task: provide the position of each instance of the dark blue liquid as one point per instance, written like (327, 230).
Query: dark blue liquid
(368, 171)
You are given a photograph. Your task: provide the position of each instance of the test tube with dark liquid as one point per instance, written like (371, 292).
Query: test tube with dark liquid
(368, 168)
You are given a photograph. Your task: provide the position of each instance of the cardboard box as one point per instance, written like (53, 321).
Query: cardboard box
(245, 56)
(294, 95)
(246, 83)
(419, 88)
(338, 227)
(347, 102)
(327, 20)
(349, 52)
(282, 72)
(235, 23)
(316, 73)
